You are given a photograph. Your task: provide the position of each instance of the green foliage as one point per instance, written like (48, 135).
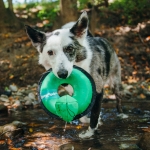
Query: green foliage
(131, 11)
(121, 11)
(49, 11)
(42, 10)
(31, 5)
(81, 4)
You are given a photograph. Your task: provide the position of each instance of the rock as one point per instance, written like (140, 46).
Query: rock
(3, 110)
(6, 104)
(13, 88)
(19, 123)
(35, 102)
(22, 90)
(31, 95)
(124, 86)
(28, 86)
(26, 98)
(28, 102)
(12, 129)
(144, 143)
(8, 130)
(18, 93)
(128, 146)
(5, 96)
(17, 104)
(3, 99)
(129, 87)
(35, 85)
(66, 147)
(127, 94)
(122, 116)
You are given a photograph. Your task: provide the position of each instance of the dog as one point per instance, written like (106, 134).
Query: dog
(63, 48)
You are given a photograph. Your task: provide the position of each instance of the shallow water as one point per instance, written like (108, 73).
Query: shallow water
(46, 133)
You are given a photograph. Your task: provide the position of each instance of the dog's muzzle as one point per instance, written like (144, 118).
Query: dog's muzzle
(62, 73)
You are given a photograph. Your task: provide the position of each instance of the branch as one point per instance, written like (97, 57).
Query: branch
(142, 40)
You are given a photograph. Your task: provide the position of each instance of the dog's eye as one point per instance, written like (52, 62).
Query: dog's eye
(50, 52)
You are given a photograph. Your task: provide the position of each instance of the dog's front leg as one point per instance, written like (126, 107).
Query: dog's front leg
(95, 113)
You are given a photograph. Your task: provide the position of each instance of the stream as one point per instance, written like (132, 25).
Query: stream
(43, 132)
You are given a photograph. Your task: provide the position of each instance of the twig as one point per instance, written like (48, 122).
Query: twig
(141, 39)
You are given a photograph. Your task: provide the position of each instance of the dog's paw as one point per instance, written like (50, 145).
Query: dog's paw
(122, 116)
(85, 119)
(87, 134)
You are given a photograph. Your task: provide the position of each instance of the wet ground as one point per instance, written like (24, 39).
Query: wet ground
(45, 133)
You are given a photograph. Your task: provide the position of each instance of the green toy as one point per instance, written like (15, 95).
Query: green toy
(67, 107)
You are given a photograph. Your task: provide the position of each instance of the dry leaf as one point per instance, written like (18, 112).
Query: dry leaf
(146, 129)
(78, 127)
(142, 96)
(31, 130)
(148, 38)
(11, 76)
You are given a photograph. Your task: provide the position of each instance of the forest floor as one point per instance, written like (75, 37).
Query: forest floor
(19, 67)
(19, 59)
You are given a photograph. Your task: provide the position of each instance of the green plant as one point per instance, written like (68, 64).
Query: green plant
(49, 11)
(131, 10)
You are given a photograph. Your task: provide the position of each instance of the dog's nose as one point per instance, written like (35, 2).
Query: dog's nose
(62, 73)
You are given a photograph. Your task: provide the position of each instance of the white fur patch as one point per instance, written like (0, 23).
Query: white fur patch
(88, 133)
(85, 119)
(58, 60)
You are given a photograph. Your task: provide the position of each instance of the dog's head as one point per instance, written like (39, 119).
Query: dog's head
(61, 48)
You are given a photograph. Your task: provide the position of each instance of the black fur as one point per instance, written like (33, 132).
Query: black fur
(96, 110)
(36, 36)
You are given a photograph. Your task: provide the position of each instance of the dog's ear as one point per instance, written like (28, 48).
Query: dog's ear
(81, 26)
(37, 37)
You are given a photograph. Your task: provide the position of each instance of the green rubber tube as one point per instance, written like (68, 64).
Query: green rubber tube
(66, 107)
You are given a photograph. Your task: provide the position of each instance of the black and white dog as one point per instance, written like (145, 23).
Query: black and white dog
(63, 48)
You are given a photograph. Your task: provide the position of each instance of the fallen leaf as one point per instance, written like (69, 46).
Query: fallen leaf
(78, 127)
(31, 130)
(148, 38)
(142, 96)
(11, 76)
(2, 142)
(146, 129)
(142, 86)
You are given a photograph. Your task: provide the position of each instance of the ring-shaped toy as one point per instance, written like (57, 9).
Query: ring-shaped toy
(67, 107)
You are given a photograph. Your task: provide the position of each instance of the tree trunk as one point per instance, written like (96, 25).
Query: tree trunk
(2, 11)
(94, 14)
(8, 20)
(68, 9)
(10, 5)
(93, 20)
